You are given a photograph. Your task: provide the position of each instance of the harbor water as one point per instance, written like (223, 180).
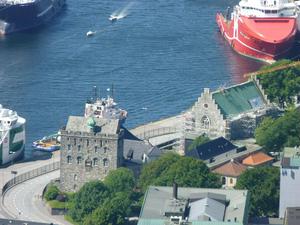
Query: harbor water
(159, 58)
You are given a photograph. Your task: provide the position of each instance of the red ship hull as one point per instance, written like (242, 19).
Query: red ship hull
(266, 39)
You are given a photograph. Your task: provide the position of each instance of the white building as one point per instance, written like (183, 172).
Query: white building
(289, 180)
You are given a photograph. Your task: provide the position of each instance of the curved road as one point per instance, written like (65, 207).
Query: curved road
(23, 202)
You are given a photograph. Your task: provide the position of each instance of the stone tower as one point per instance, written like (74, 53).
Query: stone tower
(90, 148)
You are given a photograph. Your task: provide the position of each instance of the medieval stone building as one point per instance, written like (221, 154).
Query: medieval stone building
(232, 112)
(90, 148)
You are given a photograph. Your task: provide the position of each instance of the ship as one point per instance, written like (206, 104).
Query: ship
(104, 107)
(48, 143)
(261, 29)
(12, 136)
(20, 15)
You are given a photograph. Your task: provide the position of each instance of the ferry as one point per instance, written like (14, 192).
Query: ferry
(48, 143)
(261, 29)
(19, 15)
(12, 136)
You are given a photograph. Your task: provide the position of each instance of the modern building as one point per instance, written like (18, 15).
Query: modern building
(258, 159)
(194, 206)
(12, 136)
(90, 148)
(230, 173)
(289, 180)
(232, 112)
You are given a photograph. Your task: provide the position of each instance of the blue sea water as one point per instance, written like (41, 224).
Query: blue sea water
(159, 57)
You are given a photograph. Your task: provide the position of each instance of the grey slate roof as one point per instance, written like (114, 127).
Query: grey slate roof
(207, 208)
(135, 149)
(156, 196)
(79, 124)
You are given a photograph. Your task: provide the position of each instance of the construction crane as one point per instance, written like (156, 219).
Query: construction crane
(276, 68)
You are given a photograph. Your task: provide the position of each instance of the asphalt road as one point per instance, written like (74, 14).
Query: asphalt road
(24, 201)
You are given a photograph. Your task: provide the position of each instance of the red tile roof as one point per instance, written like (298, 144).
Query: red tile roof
(231, 169)
(256, 159)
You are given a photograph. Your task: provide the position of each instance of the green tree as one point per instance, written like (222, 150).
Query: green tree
(198, 141)
(186, 171)
(263, 185)
(121, 179)
(153, 170)
(52, 192)
(281, 85)
(274, 134)
(112, 212)
(89, 197)
(189, 172)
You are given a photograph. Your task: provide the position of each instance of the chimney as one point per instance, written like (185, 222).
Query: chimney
(175, 190)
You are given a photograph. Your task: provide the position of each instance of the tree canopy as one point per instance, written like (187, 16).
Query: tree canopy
(87, 199)
(120, 180)
(263, 185)
(281, 85)
(274, 134)
(185, 171)
(202, 139)
(112, 212)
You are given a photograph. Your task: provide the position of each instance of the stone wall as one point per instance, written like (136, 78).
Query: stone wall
(208, 117)
(88, 156)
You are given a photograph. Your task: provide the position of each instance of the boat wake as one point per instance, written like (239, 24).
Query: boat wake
(121, 13)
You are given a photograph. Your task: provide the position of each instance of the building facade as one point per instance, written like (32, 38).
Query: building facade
(90, 148)
(232, 112)
(289, 180)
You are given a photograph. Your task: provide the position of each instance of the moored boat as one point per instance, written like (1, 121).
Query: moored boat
(260, 29)
(48, 143)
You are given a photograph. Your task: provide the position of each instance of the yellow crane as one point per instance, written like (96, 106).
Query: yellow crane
(276, 68)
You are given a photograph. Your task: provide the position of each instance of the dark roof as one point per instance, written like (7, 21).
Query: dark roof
(20, 222)
(135, 149)
(211, 149)
(239, 98)
(128, 135)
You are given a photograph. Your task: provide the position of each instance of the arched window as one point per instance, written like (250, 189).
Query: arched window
(223, 180)
(69, 159)
(231, 181)
(75, 177)
(205, 123)
(105, 162)
(79, 160)
(95, 162)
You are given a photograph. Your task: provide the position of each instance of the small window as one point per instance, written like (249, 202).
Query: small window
(231, 181)
(69, 159)
(79, 148)
(105, 149)
(79, 160)
(205, 105)
(87, 142)
(105, 162)
(69, 147)
(101, 144)
(75, 177)
(95, 162)
(96, 149)
(74, 141)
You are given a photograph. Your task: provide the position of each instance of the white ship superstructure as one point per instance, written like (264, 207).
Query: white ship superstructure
(12, 135)
(104, 108)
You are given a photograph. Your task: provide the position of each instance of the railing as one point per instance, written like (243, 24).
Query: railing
(157, 132)
(30, 174)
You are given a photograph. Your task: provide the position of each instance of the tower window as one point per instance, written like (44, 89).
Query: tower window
(69, 159)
